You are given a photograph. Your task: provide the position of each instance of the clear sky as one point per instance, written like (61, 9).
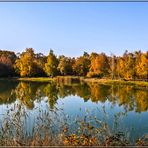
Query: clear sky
(72, 28)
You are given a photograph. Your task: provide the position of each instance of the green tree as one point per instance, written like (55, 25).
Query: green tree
(40, 61)
(82, 65)
(65, 66)
(51, 65)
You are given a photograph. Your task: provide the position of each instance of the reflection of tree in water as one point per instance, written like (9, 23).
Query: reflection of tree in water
(123, 95)
(127, 96)
(7, 92)
(27, 93)
(64, 90)
(52, 93)
(141, 100)
(83, 91)
(99, 92)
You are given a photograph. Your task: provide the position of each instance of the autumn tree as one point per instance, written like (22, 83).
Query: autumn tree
(40, 61)
(128, 65)
(65, 66)
(144, 61)
(25, 64)
(29, 64)
(99, 65)
(142, 65)
(82, 65)
(51, 65)
(7, 60)
(113, 62)
(133, 65)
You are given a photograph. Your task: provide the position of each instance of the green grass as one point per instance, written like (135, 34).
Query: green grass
(39, 79)
(109, 81)
(35, 79)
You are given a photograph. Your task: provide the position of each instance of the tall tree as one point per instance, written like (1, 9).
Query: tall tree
(65, 66)
(40, 61)
(25, 64)
(51, 65)
(113, 60)
(142, 65)
(99, 65)
(82, 65)
(7, 60)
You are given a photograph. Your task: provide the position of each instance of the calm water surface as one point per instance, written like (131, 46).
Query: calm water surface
(106, 102)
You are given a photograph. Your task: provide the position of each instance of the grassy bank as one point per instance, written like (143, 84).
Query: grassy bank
(77, 79)
(38, 79)
(65, 79)
(122, 82)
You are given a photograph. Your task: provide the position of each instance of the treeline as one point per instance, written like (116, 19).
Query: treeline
(29, 64)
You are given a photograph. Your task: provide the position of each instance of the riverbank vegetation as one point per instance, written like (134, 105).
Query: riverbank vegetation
(54, 128)
(78, 79)
(129, 66)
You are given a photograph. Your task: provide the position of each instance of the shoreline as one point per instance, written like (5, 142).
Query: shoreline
(118, 82)
(81, 79)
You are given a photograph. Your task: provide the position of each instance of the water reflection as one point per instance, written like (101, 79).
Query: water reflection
(131, 98)
(7, 92)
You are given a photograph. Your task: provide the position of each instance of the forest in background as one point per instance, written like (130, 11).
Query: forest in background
(130, 66)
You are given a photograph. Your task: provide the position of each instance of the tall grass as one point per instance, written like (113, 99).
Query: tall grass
(53, 128)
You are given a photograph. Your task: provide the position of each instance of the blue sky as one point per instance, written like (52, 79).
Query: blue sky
(72, 28)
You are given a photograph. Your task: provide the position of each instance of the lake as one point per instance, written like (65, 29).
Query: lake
(123, 108)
